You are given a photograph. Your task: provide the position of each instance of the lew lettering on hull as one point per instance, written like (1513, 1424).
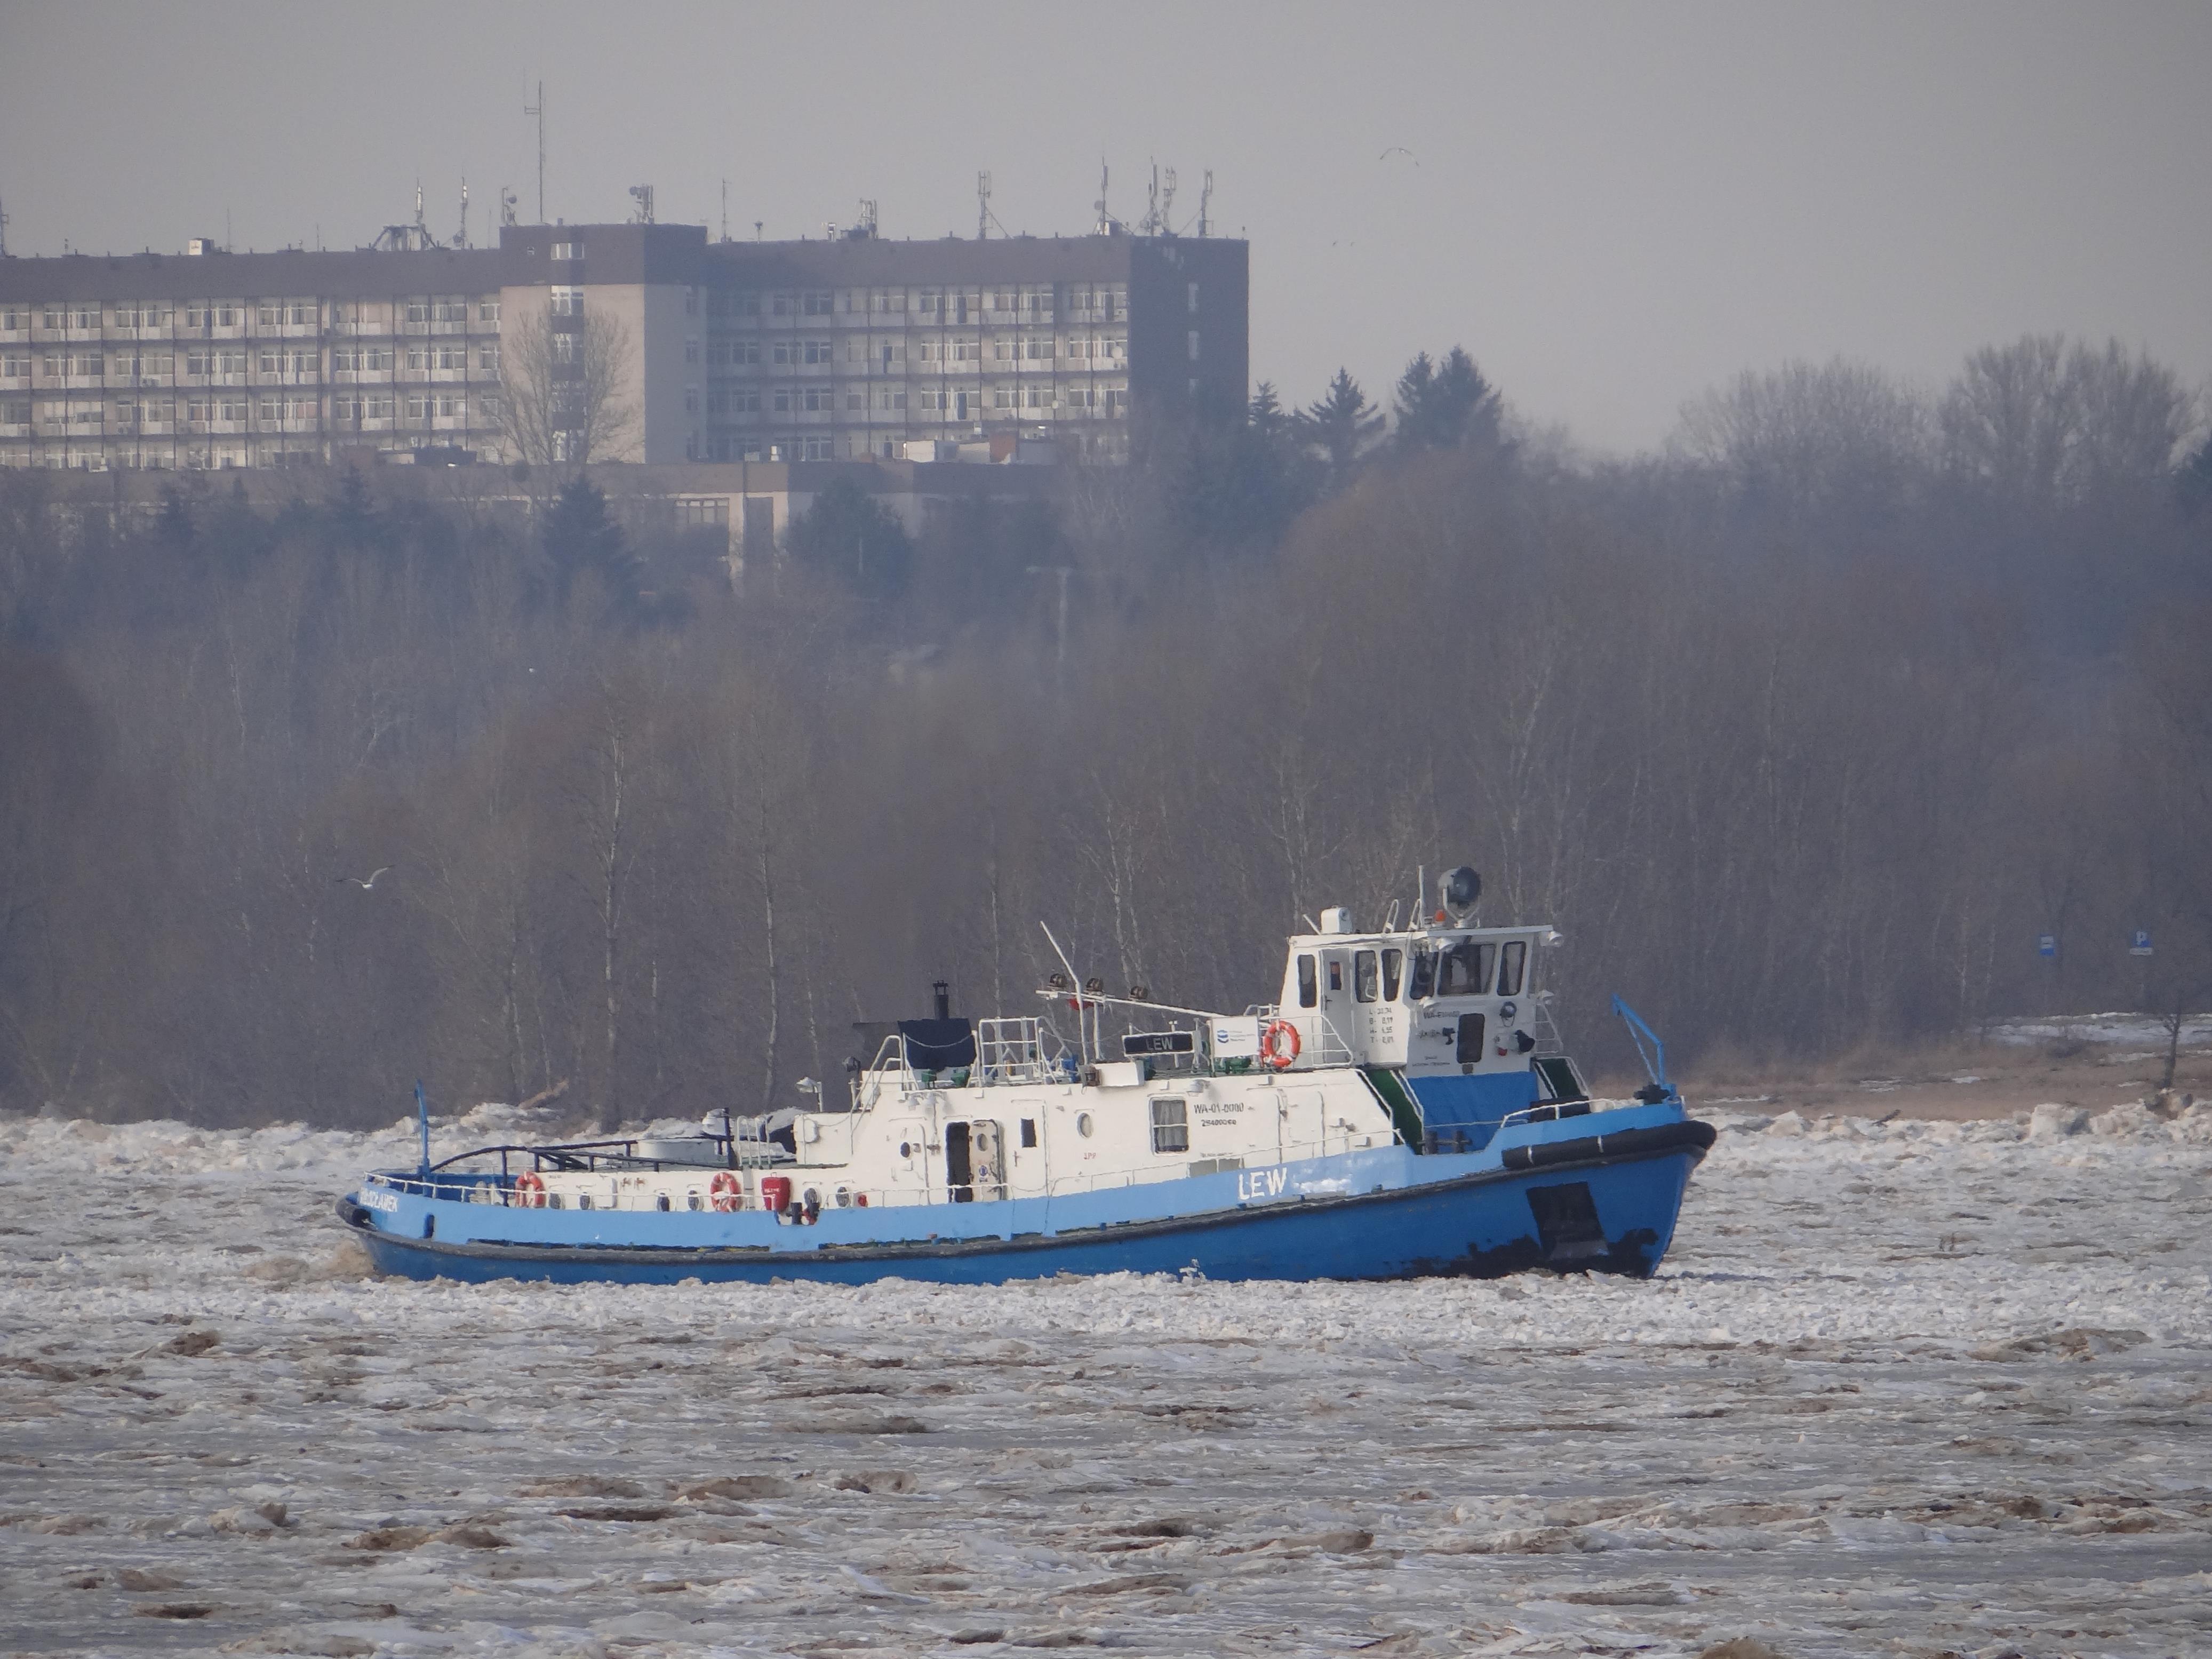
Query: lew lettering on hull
(1260, 1183)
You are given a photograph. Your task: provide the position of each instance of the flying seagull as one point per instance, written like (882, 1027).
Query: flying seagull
(358, 881)
(1398, 150)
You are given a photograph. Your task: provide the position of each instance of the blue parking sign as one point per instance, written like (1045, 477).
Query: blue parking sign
(2139, 944)
(2046, 944)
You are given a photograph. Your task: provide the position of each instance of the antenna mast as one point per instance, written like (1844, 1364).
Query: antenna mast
(1167, 205)
(4, 233)
(538, 109)
(1204, 200)
(726, 210)
(983, 205)
(462, 240)
(1105, 219)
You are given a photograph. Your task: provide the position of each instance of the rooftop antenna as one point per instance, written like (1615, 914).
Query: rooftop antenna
(462, 240)
(538, 109)
(1106, 225)
(1204, 200)
(1167, 205)
(1150, 225)
(507, 205)
(4, 233)
(983, 205)
(867, 222)
(642, 195)
(756, 230)
(419, 222)
(726, 210)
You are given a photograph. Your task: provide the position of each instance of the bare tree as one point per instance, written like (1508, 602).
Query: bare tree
(1809, 436)
(2046, 424)
(565, 390)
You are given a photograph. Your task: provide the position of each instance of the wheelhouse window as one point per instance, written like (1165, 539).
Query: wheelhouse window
(1394, 965)
(1366, 976)
(1463, 969)
(1423, 982)
(1308, 985)
(1509, 971)
(1170, 1127)
(1336, 973)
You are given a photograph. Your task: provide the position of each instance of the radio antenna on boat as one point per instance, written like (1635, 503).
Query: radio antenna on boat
(1082, 1037)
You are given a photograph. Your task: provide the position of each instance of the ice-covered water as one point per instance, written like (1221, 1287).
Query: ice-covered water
(1907, 1388)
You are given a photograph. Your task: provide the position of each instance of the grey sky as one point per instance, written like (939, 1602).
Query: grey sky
(1611, 207)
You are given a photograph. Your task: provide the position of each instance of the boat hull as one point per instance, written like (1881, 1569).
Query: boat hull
(1584, 1202)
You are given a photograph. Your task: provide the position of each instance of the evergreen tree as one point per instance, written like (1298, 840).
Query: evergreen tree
(1441, 406)
(1340, 424)
(1267, 415)
(849, 535)
(581, 538)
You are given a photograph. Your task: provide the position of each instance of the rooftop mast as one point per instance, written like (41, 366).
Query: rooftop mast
(538, 109)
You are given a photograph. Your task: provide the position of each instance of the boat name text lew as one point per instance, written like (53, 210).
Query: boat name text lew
(1260, 1183)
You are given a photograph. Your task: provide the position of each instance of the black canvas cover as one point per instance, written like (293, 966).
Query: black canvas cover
(938, 1045)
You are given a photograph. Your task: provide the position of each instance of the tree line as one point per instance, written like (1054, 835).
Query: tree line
(1804, 730)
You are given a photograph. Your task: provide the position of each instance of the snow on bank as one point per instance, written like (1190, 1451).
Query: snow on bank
(2134, 1030)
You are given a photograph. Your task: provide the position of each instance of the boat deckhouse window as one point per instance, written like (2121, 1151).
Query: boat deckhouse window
(1394, 962)
(1170, 1127)
(1509, 976)
(1463, 970)
(1366, 977)
(1424, 982)
(1309, 987)
(1336, 973)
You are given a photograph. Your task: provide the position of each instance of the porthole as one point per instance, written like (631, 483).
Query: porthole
(844, 1198)
(906, 1149)
(1082, 1124)
(811, 1199)
(583, 1200)
(552, 1201)
(696, 1202)
(662, 1201)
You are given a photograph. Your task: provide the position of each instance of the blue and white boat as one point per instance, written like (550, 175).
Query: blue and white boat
(1402, 1109)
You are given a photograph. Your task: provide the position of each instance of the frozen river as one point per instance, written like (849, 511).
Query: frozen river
(1911, 1388)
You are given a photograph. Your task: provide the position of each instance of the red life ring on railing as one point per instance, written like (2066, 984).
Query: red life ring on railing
(1278, 1044)
(530, 1190)
(726, 1191)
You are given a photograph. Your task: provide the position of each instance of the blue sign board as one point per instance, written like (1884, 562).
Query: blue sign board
(2046, 944)
(2139, 943)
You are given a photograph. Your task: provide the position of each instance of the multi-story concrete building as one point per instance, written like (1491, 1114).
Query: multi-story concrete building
(848, 347)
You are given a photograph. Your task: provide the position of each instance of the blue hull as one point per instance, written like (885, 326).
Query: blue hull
(1558, 1197)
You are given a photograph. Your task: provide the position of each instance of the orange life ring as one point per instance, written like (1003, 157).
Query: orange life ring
(530, 1190)
(1278, 1044)
(727, 1191)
